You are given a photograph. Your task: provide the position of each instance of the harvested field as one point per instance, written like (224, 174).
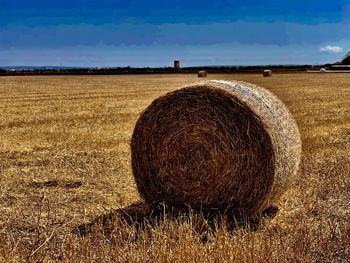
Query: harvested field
(65, 161)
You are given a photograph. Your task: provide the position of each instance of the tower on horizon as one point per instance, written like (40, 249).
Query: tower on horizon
(176, 64)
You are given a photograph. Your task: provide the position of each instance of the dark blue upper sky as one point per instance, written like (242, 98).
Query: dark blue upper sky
(153, 33)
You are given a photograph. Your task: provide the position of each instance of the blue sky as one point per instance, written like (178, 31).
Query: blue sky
(154, 33)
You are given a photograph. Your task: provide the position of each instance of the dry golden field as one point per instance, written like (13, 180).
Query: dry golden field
(65, 161)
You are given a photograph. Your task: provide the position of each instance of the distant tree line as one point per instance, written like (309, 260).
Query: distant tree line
(149, 70)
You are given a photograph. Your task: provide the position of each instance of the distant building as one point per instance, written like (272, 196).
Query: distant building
(176, 64)
(342, 65)
(346, 59)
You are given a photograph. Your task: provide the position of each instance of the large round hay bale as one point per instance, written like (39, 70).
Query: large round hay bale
(215, 145)
(267, 73)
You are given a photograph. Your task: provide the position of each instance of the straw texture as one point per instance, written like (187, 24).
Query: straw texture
(215, 145)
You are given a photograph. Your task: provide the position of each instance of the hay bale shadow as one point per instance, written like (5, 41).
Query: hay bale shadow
(45, 184)
(141, 216)
(73, 184)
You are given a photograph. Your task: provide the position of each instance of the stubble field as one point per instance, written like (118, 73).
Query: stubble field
(65, 162)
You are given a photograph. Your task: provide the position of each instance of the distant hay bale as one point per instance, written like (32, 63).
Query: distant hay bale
(202, 74)
(267, 73)
(323, 70)
(215, 145)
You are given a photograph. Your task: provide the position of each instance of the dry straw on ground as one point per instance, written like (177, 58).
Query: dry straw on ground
(202, 74)
(267, 73)
(227, 146)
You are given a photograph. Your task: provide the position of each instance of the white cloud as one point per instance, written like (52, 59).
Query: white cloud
(331, 49)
